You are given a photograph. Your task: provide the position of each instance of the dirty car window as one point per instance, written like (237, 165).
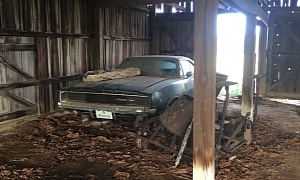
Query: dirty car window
(152, 66)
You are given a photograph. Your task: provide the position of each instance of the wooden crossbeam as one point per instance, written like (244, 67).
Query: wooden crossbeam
(249, 7)
(17, 47)
(10, 32)
(5, 87)
(131, 2)
(15, 68)
(17, 99)
(16, 114)
(176, 6)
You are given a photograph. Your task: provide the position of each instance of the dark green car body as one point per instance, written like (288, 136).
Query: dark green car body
(163, 79)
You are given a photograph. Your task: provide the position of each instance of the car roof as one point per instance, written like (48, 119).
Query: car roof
(171, 57)
(162, 56)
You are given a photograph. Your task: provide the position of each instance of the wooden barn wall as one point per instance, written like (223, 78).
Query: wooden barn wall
(45, 39)
(50, 43)
(283, 78)
(174, 34)
(123, 32)
(22, 59)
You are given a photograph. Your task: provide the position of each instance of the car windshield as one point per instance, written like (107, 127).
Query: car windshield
(152, 67)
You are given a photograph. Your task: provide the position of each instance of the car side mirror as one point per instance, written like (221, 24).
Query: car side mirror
(189, 74)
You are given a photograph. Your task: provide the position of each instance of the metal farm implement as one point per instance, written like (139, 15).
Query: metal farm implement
(171, 131)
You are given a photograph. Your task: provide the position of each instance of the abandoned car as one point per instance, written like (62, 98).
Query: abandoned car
(161, 81)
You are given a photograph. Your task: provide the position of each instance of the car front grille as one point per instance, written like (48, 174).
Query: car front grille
(106, 98)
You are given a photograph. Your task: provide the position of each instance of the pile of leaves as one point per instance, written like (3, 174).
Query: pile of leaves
(68, 147)
(65, 147)
(267, 157)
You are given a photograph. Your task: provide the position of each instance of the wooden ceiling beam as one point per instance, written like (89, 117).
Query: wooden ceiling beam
(131, 2)
(176, 6)
(248, 7)
(239, 5)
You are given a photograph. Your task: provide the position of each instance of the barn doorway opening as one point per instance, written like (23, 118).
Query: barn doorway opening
(231, 29)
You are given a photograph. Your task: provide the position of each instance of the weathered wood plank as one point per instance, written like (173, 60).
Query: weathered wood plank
(205, 48)
(2, 19)
(3, 101)
(29, 58)
(98, 29)
(42, 16)
(53, 15)
(9, 15)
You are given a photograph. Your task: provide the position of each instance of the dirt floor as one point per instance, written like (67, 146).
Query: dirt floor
(69, 147)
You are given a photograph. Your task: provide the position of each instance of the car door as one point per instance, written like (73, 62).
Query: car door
(187, 74)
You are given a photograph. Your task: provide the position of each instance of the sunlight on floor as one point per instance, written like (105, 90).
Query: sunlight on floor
(287, 101)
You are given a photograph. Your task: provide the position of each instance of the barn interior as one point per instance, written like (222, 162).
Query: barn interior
(48, 44)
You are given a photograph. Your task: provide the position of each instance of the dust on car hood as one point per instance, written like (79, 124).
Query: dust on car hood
(132, 84)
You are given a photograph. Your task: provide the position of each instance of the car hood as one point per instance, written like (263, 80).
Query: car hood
(138, 84)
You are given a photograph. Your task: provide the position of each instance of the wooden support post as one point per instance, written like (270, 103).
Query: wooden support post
(152, 25)
(42, 72)
(249, 59)
(205, 47)
(99, 44)
(271, 36)
(55, 70)
(262, 60)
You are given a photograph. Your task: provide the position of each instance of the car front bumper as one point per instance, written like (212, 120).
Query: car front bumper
(90, 107)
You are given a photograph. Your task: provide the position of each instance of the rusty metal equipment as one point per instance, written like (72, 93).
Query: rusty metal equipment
(171, 131)
(178, 116)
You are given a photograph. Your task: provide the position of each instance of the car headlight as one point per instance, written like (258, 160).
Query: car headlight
(156, 99)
